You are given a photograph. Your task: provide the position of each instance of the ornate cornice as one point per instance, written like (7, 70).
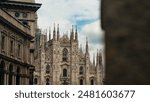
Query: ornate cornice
(20, 5)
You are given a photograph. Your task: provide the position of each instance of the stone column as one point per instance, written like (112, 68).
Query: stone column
(26, 81)
(5, 79)
(23, 81)
(20, 80)
(13, 80)
(7, 76)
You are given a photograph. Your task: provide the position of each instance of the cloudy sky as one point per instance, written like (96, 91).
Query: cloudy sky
(83, 13)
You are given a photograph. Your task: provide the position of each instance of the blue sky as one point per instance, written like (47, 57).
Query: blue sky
(83, 13)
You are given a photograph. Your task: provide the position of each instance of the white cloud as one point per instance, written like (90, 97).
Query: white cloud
(68, 10)
(94, 32)
(92, 28)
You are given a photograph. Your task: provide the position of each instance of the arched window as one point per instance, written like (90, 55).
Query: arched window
(35, 81)
(47, 81)
(2, 67)
(81, 71)
(18, 76)
(92, 82)
(81, 81)
(48, 69)
(65, 54)
(64, 72)
(10, 74)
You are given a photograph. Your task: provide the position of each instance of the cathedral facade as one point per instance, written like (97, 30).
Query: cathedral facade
(60, 61)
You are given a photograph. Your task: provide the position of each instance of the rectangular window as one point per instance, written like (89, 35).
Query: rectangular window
(11, 46)
(19, 49)
(3, 42)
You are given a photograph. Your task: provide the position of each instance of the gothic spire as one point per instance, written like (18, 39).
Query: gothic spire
(49, 33)
(81, 48)
(46, 35)
(54, 33)
(76, 34)
(94, 60)
(97, 58)
(87, 47)
(100, 56)
(58, 32)
(72, 33)
(72, 29)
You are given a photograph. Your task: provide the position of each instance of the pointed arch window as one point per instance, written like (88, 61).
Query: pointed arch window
(48, 69)
(65, 55)
(64, 72)
(81, 71)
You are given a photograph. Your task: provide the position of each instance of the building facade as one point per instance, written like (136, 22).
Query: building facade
(18, 23)
(60, 61)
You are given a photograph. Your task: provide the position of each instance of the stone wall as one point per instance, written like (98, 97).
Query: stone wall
(127, 27)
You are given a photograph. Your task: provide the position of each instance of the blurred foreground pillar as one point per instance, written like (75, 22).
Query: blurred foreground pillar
(127, 33)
